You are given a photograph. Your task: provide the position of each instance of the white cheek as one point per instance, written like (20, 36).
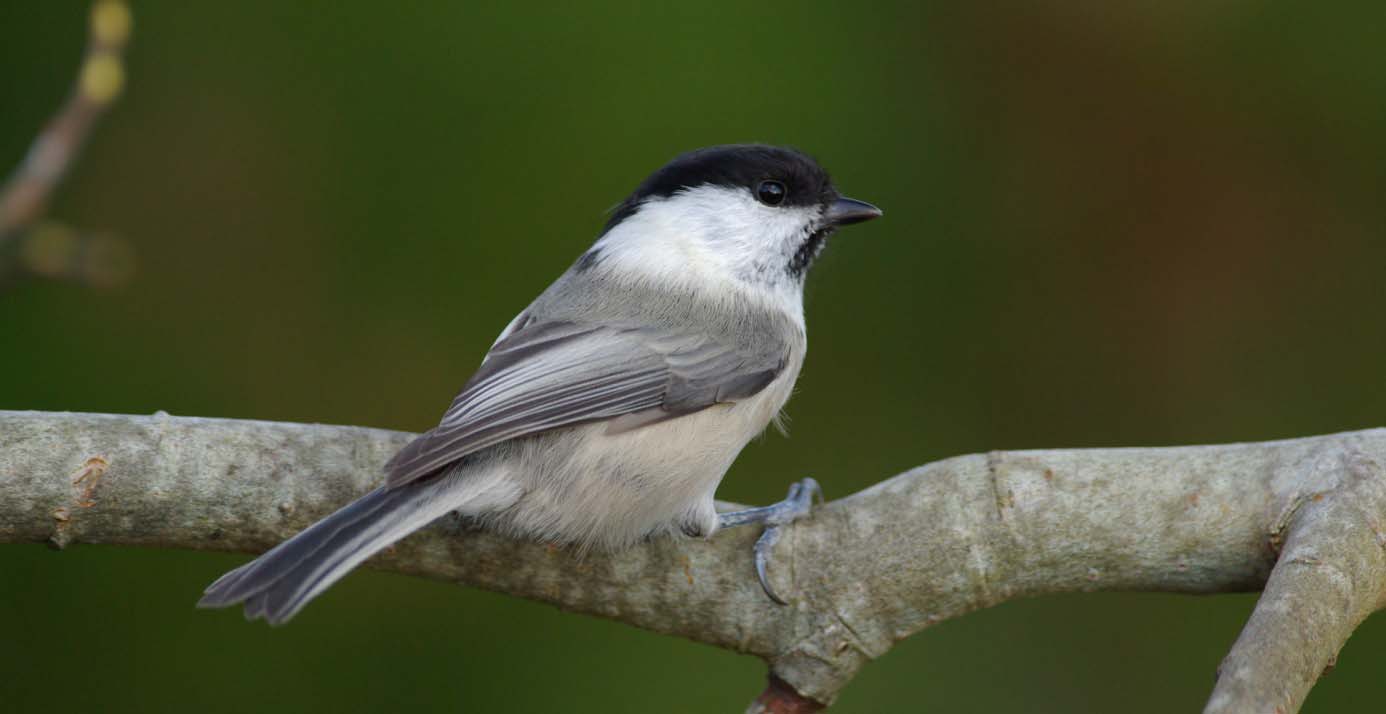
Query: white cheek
(711, 229)
(717, 239)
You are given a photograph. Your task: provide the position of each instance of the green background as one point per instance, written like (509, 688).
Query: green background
(1108, 224)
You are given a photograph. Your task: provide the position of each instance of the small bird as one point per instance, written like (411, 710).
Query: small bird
(609, 410)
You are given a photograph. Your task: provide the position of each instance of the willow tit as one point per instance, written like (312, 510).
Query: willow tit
(610, 408)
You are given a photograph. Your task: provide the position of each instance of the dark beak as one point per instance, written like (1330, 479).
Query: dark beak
(846, 211)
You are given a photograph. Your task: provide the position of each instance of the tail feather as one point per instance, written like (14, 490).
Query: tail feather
(351, 546)
(257, 575)
(279, 583)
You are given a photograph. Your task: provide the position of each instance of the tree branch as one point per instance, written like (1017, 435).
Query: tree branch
(57, 251)
(863, 573)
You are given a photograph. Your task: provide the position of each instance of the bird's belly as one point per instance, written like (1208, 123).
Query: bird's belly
(609, 491)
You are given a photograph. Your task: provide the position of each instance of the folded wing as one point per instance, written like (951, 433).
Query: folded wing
(546, 376)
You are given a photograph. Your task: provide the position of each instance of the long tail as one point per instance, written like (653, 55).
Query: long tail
(279, 583)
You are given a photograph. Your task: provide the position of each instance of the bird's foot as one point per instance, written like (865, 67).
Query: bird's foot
(796, 505)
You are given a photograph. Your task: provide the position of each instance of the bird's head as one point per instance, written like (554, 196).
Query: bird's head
(754, 213)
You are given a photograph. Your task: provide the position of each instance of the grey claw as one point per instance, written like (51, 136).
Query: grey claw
(797, 504)
(764, 545)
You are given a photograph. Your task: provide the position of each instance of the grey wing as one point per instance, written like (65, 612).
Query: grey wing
(551, 375)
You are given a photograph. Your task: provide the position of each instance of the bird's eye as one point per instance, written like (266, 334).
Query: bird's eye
(771, 193)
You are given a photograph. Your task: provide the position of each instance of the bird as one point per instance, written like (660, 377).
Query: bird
(608, 410)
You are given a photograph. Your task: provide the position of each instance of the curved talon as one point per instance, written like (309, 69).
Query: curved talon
(764, 545)
(797, 504)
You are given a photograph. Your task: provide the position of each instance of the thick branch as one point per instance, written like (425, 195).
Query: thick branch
(864, 572)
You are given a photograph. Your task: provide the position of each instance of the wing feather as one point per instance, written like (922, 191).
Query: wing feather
(545, 376)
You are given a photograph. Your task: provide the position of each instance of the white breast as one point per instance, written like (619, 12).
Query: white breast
(610, 491)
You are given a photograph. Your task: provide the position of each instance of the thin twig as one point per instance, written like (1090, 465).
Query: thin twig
(26, 196)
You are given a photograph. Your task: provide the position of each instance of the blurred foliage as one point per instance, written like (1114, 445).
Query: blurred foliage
(1107, 224)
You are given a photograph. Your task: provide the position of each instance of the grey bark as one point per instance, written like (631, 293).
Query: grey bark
(1303, 518)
